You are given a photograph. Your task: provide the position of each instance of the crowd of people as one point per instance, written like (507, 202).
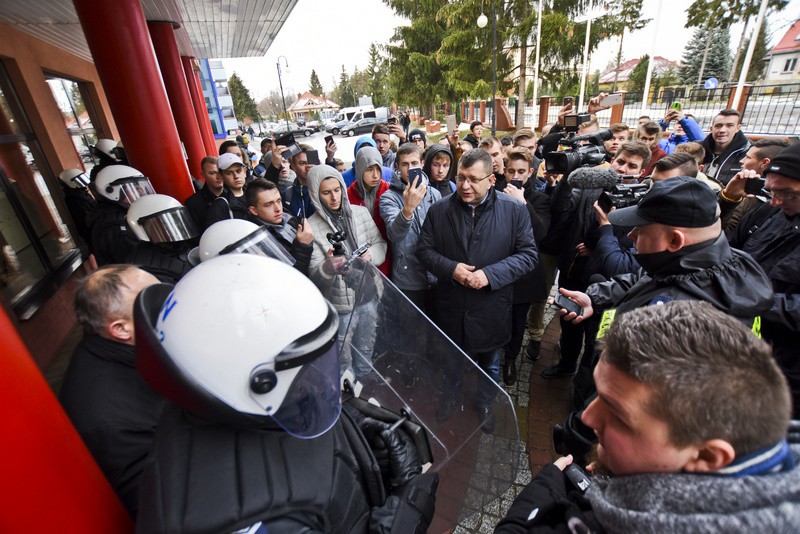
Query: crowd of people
(677, 262)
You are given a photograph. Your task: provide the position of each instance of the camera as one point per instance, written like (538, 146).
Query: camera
(581, 151)
(622, 196)
(336, 239)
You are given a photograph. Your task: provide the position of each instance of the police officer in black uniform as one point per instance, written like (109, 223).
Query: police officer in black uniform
(79, 201)
(115, 188)
(257, 438)
(165, 232)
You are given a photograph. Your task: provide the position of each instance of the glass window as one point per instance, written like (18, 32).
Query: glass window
(35, 242)
(77, 117)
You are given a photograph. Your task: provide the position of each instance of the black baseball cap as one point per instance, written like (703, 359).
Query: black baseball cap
(786, 163)
(683, 201)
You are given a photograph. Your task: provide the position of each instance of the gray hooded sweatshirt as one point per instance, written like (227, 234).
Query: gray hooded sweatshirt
(366, 158)
(322, 223)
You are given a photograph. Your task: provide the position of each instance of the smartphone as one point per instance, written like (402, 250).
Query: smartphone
(392, 120)
(753, 186)
(517, 183)
(565, 304)
(612, 100)
(676, 106)
(313, 157)
(328, 140)
(451, 123)
(415, 176)
(569, 101)
(287, 140)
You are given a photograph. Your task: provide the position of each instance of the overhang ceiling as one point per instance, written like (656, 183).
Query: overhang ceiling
(209, 28)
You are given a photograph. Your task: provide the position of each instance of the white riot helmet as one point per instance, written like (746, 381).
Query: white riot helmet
(230, 344)
(74, 178)
(237, 236)
(122, 184)
(160, 219)
(105, 147)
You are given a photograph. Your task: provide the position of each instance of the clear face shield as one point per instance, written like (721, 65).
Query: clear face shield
(132, 188)
(80, 181)
(262, 243)
(169, 226)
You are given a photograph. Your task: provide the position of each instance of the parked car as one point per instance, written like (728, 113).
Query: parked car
(293, 128)
(314, 125)
(362, 126)
(335, 127)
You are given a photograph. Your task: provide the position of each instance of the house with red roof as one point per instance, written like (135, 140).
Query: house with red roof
(782, 60)
(625, 69)
(307, 105)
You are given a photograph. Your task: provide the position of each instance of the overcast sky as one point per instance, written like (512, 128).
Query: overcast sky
(326, 34)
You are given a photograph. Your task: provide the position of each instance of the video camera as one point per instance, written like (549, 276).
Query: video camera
(622, 196)
(580, 151)
(336, 239)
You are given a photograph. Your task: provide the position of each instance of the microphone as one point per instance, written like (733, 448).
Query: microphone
(593, 178)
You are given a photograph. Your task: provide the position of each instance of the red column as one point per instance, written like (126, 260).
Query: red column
(199, 104)
(116, 33)
(169, 61)
(50, 480)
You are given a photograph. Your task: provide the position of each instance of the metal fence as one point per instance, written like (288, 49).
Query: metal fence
(772, 109)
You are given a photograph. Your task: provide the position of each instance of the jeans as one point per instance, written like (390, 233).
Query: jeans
(536, 314)
(487, 389)
(359, 328)
(519, 313)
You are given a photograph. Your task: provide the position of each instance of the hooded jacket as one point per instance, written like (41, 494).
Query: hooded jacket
(728, 160)
(333, 286)
(403, 234)
(496, 237)
(691, 129)
(727, 278)
(674, 502)
(349, 176)
(447, 186)
(358, 195)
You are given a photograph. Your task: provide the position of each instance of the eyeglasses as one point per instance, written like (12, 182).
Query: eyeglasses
(461, 179)
(781, 196)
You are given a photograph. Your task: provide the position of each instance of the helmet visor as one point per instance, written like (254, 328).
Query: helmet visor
(262, 243)
(314, 400)
(169, 226)
(133, 188)
(81, 180)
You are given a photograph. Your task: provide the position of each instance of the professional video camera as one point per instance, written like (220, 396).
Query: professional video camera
(336, 239)
(577, 151)
(622, 196)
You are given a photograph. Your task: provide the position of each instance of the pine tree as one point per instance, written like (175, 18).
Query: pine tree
(638, 74)
(718, 60)
(756, 64)
(376, 76)
(243, 103)
(344, 94)
(314, 86)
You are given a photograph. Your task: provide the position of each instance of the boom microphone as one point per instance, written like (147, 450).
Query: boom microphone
(593, 178)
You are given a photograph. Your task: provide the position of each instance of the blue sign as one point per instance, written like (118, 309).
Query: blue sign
(711, 83)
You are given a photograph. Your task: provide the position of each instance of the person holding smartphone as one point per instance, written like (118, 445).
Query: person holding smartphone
(368, 189)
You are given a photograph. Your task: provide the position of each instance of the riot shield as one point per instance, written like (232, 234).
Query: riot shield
(397, 358)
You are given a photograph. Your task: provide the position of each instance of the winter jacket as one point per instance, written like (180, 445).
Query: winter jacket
(496, 237)
(388, 159)
(198, 205)
(109, 240)
(655, 155)
(712, 271)
(721, 167)
(114, 411)
(168, 262)
(692, 130)
(334, 286)
(296, 200)
(227, 206)
(773, 239)
(349, 176)
(287, 237)
(403, 234)
(612, 252)
(533, 287)
(365, 159)
(447, 186)
(659, 502)
(471, 139)
(80, 204)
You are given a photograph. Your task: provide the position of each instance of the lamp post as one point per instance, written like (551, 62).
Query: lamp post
(482, 20)
(280, 82)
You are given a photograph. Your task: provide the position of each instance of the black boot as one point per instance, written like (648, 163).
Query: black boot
(509, 372)
(533, 350)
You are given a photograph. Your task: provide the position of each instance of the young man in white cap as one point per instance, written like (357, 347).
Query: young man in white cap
(231, 203)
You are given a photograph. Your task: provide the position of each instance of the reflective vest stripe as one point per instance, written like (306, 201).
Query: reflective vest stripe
(605, 322)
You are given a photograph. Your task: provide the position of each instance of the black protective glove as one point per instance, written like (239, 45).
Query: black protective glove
(394, 451)
(410, 511)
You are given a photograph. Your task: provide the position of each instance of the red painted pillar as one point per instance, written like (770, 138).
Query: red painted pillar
(117, 35)
(169, 61)
(199, 104)
(51, 483)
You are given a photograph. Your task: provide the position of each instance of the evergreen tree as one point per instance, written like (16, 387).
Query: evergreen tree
(376, 77)
(315, 87)
(639, 74)
(344, 94)
(243, 103)
(718, 60)
(756, 64)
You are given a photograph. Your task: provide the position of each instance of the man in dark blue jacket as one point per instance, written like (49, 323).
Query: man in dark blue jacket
(477, 243)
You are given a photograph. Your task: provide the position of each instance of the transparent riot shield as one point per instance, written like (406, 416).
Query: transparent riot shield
(397, 358)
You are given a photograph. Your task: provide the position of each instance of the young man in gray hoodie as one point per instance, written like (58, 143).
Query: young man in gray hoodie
(403, 209)
(691, 418)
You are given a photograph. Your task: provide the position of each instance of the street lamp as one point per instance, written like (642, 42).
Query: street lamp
(482, 20)
(280, 82)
